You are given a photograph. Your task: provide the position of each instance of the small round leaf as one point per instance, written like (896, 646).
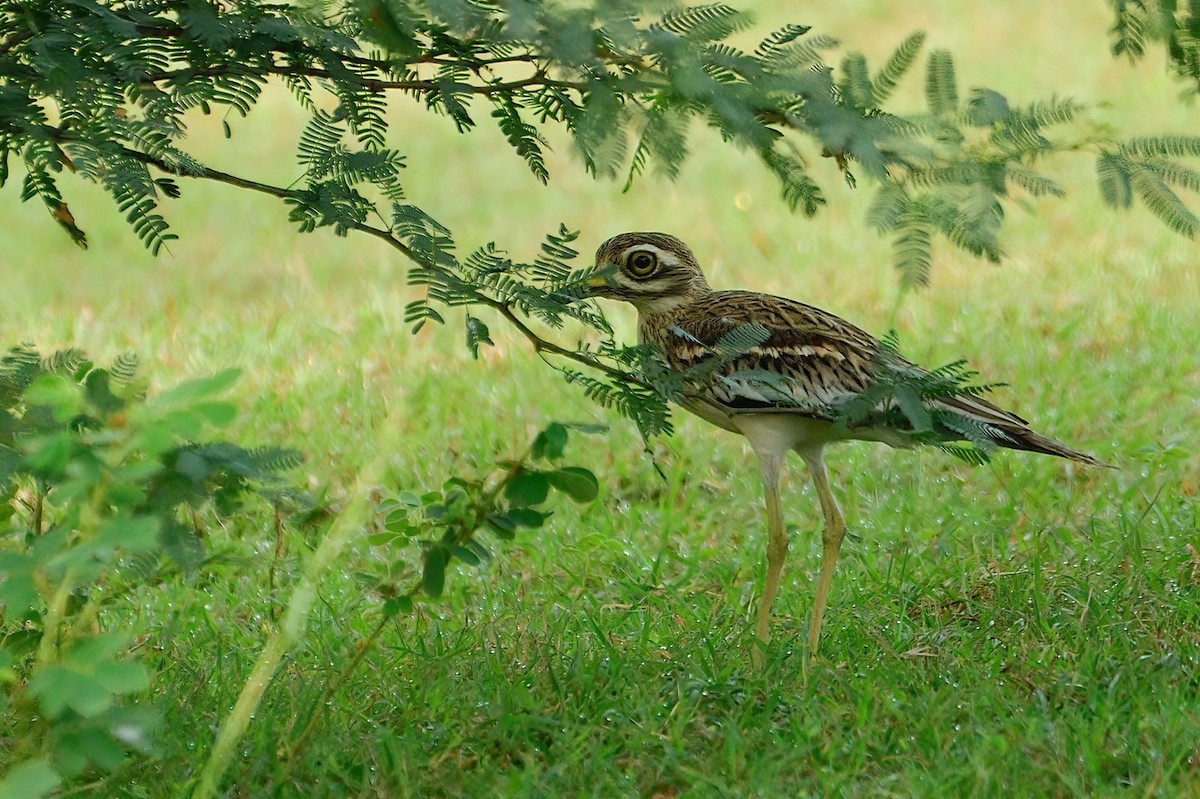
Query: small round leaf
(527, 488)
(576, 482)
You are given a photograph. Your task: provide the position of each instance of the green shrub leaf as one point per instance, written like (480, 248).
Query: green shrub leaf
(217, 414)
(61, 395)
(503, 525)
(550, 443)
(576, 482)
(193, 391)
(527, 488)
(433, 577)
(32, 779)
(526, 517)
(396, 605)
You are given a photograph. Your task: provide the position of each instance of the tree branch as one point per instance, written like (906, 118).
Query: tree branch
(538, 343)
(538, 78)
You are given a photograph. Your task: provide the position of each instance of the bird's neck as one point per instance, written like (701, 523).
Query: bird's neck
(658, 313)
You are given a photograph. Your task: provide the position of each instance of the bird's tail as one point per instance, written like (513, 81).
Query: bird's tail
(1030, 441)
(1010, 431)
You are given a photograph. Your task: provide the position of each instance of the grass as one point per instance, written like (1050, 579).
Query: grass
(1020, 629)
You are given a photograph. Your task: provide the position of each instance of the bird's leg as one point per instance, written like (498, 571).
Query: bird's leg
(831, 538)
(769, 466)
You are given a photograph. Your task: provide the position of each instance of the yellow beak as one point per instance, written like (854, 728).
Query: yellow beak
(602, 277)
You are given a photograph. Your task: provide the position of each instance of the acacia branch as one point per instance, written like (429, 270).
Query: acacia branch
(538, 343)
(538, 78)
(443, 56)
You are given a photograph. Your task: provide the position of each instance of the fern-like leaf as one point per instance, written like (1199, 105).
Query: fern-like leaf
(637, 163)
(855, 86)
(1168, 146)
(941, 85)
(1174, 173)
(39, 183)
(900, 61)
(799, 189)
(887, 207)
(1055, 111)
(707, 23)
(791, 56)
(124, 368)
(523, 137)
(777, 40)
(1129, 30)
(912, 248)
(1164, 203)
(1036, 184)
(142, 215)
(972, 223)
(70, 362)
(18, 368)
(1113, 175)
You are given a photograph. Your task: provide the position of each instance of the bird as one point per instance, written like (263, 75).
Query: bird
(782, 391)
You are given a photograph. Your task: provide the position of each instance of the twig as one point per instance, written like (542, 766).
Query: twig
(301, 740)
(538, 78)
(278, 556)
(539, 344)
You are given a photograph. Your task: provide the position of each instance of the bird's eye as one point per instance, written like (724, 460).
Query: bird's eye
(642, 264)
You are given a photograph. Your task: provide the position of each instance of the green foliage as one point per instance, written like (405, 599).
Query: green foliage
(941, 84)
(601, 72)
(903, 398)
(443, 524)
(101, 488)
(346, 171)
(897, 65)
(30, 779)
(103, 91)
(706, 23)
(1146, 168)
(1176, 26)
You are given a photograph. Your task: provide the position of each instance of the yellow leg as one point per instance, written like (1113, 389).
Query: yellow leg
(777, 543)
(831, 538)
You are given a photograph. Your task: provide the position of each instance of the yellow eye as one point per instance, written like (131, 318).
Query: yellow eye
(642, 264)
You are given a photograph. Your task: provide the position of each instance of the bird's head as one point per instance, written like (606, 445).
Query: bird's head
(654, 271)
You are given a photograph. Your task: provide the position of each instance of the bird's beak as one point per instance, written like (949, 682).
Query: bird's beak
(601, 281)
(595, 286)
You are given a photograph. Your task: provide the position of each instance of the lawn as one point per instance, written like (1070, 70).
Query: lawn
(1023, 628)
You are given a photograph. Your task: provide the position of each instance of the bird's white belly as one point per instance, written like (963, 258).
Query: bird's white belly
(782, 430)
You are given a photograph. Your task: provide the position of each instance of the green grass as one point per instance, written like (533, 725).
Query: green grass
(1020, 629)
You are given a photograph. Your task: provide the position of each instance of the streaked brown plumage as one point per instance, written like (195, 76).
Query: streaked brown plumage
(823, 360)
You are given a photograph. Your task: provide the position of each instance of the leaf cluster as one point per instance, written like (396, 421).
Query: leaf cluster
(99, 483)
(1175, 26)
(444, 523)
(103, 90)
(903, 398)
(1149, 169)
(543, 288)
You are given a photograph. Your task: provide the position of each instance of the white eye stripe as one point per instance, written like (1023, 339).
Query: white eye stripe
(654, 287)
(665, 257)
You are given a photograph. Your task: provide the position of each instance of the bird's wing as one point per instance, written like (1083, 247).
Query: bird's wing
(805, 361)
(809, 362)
